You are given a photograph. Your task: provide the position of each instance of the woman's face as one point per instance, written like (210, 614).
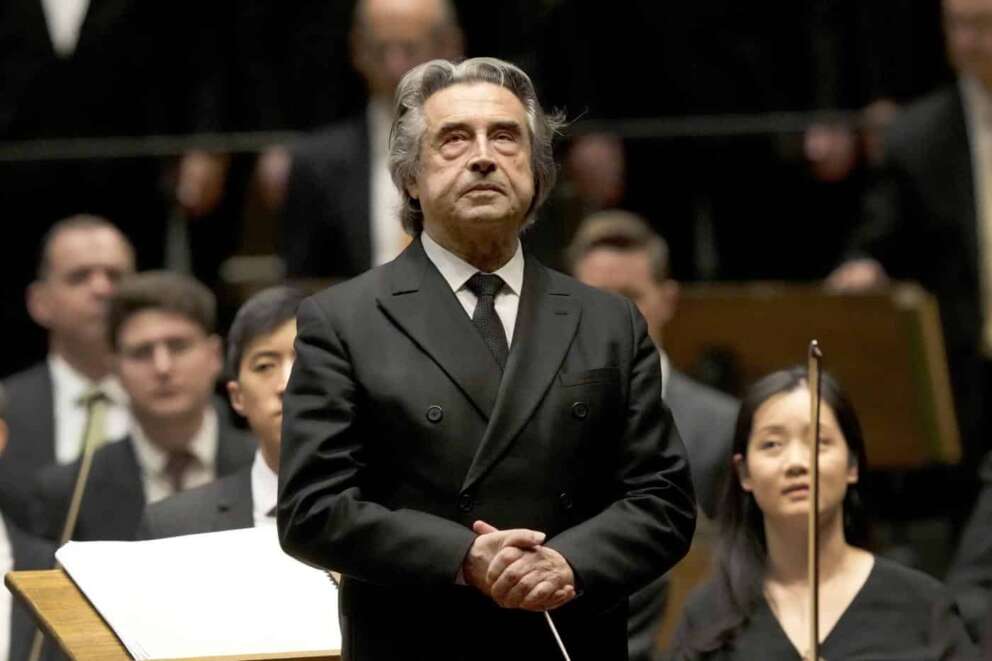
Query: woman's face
(776, 469)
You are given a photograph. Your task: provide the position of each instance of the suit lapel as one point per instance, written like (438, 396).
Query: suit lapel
(956, 155)
(422, 304)
(546, 323)
(359, 200)
(235, 504)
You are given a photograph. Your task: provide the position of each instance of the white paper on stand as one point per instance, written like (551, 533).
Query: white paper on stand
(225, 593)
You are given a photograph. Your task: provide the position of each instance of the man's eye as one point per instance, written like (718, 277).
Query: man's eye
(261, 368)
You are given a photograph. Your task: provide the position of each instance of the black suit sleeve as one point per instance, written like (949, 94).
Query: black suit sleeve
(649, 526)
(324, 517)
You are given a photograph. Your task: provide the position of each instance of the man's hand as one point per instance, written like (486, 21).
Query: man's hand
(487, 545)
(857, 275)
(537, 578)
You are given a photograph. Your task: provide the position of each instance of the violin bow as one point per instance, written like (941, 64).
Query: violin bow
(813, 561)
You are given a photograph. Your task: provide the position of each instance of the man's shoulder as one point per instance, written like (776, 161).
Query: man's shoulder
(191, 512)
(682, 387)
(337, 142)
(931, 115)
(108, 461)
(28, 381)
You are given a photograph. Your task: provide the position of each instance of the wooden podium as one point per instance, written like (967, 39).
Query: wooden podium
(68, 618)
(885, 347)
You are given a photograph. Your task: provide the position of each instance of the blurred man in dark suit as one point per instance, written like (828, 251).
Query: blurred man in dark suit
(82, 259)
(340, 208)
(167, 357)
(19, 551)
(619, 252)
(260, 355)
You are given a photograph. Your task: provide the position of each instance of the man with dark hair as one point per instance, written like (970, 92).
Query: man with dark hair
(260, 355)
(167, 357)
(618, 251)
(82, 259)
(469, 437)
(340, 210)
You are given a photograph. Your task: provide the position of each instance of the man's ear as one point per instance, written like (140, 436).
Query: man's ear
(4, 433)
(740, 468)
(412, 189)
(237, 400)
(39, 303)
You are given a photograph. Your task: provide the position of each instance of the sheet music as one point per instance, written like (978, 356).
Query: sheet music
(224, 593)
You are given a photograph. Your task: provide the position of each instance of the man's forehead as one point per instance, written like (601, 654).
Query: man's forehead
(94, 246)
(152, 324)
(277, 339)
(474, 101)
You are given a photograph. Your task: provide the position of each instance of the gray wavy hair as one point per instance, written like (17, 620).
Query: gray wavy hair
(425, 80)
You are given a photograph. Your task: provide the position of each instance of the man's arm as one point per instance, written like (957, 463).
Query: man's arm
(649, 527)
(324, 517)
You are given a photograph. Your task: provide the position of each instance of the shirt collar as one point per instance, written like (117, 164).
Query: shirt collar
(70, 385)
(379, 116)
(264, 487)
(203, 445)
(977, 101)
(456, 271)
(666, 370)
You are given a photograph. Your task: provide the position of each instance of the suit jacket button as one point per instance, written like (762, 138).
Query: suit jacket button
(435, 413)
(465, 502)
(580, 410)
(565, 500)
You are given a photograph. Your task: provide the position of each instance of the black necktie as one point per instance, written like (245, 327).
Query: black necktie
(485, 287)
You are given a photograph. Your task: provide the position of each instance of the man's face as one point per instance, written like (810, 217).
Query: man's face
(262, 376)
(475, 177)
(393, 36)
(84, 266)
(628, 272)
(968, 26)
(167, 364)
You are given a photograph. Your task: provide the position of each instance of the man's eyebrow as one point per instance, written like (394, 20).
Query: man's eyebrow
(263, 353)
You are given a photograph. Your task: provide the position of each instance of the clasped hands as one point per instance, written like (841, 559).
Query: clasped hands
(516, 571)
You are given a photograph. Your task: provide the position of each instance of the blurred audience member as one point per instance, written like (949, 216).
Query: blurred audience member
(82, 259)
(340, 215)
(260, 355)
(167, 357)
(617, 251)
(928, 216)
(19, 551)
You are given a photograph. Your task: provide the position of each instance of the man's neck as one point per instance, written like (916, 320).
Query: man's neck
(174, 433)
(487, 252)
(93, 362)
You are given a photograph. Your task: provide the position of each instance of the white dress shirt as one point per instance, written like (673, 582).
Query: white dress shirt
(152, 459)
(65, 20)
(264, 491)
(388, 236)
(978, 114)
(6, 601)
(68, 386)
(456, 272)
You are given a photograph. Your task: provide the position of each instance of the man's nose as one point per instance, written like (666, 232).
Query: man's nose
(482, 158)
(101, 284)
(161, 358)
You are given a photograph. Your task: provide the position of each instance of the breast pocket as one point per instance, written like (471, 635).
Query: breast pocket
(588, 377)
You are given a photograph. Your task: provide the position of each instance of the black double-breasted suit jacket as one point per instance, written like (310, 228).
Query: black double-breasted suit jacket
(399, 432)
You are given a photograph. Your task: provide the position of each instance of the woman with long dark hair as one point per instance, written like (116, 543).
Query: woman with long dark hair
(756, 605)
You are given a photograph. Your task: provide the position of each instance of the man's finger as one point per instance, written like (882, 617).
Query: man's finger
(522, 538)
(501, 561)
(482, 528)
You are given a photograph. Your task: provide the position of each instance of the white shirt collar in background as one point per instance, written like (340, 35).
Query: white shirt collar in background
(65, 20)
(69, 413)
(152, 459)
(264, 491)
(6, 601)
(385, 228)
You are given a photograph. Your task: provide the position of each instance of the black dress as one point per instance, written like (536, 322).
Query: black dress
(899, 614)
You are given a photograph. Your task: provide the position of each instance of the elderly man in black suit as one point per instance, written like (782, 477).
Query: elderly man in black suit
(469, 437)
(339, 217)
(82, 259)
(260, 355)
(167, 357)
